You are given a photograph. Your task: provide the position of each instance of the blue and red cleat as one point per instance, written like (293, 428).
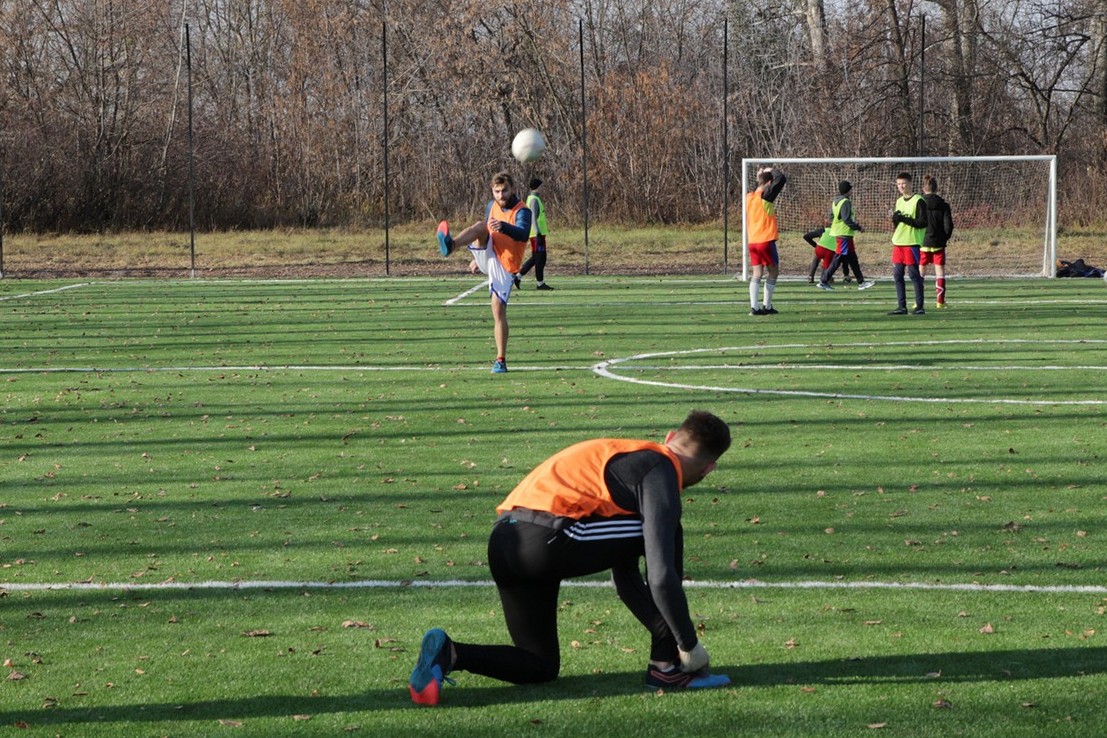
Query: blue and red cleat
(445, 242)
(431, 669)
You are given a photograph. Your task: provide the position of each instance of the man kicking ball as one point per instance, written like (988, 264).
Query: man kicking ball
(598, 505)
(500, 241)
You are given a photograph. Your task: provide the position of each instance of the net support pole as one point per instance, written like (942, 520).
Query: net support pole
(387, 183)
(726, 150)
(1049, 268)
(583, 141)
(922, 85)
(1, 204)
(191, 166)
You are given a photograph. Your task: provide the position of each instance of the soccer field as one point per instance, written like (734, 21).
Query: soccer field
(233, 507)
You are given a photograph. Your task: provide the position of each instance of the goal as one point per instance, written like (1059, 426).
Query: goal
(1004, 210)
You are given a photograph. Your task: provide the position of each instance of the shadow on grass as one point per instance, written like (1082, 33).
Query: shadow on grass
(934, 668)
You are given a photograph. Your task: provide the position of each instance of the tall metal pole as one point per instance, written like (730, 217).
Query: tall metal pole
(583, 140)
(726, 151)
(387, 193)
(922, 86)
(191, 167)
(1, 205)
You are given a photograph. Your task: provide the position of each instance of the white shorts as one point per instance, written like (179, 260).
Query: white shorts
(500, 281)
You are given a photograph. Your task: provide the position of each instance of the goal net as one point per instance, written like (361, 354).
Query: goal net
(1004, 210)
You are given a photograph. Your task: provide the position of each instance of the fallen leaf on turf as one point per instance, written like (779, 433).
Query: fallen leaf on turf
(16, 676)
(876, 726)
(943, 704)
(260, 633)
(355, 624)
(987, 628)
(791, 643)
(231, 723)
(301, 717)
(1028, 704)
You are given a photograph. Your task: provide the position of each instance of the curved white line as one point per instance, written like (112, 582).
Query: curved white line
(605, 369)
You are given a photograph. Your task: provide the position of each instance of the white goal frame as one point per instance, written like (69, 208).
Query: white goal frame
(873, 252)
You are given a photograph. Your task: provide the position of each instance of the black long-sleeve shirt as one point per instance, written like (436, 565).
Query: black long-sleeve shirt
(645, 482)
(939, 222)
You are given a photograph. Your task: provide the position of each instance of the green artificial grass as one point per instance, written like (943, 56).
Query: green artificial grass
(334, 432)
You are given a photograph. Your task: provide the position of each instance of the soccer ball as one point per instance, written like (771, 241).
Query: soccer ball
(528, 146)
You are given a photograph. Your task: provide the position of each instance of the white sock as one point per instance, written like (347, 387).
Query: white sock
(770, 287)
(755, 291)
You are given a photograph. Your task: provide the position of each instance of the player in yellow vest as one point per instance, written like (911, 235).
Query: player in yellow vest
(499, 243)
(539, 229)
(909, 221)
(842, 228)
(762, 232)
(823, 243)
(598, 505)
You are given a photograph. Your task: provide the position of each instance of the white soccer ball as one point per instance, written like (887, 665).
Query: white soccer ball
(528, 146)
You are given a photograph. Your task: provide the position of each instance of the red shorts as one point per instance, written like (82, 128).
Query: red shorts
(905, 254)
(764, 254)
(824, 255)
(932, 257)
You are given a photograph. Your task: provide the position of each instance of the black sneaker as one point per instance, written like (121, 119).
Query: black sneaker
(918, 311)
(770, 310)
(898, 311)
(758, 311)
(517, 279)
(543, 286)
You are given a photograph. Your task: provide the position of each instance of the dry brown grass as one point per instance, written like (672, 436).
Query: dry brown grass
(412, 251)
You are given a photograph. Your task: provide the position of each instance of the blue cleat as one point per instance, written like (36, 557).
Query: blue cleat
(499, 366)
(431, 669)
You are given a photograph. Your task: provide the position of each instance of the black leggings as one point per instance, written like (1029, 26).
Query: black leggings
(528, 562)
(537, 258)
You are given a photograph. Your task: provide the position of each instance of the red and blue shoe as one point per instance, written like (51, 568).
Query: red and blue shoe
(445, 241)
(431, 669)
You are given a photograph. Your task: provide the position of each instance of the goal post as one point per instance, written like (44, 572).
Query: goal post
(1004, 210)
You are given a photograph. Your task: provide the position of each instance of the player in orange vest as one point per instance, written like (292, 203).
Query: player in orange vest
(762, 232)
(598, 505)
(499, 245)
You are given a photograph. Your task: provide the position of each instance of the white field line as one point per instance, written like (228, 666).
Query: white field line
(273, 368)
(397, 584)
(609, 369)
(854, 367)
(5, 298)
(466, 293)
